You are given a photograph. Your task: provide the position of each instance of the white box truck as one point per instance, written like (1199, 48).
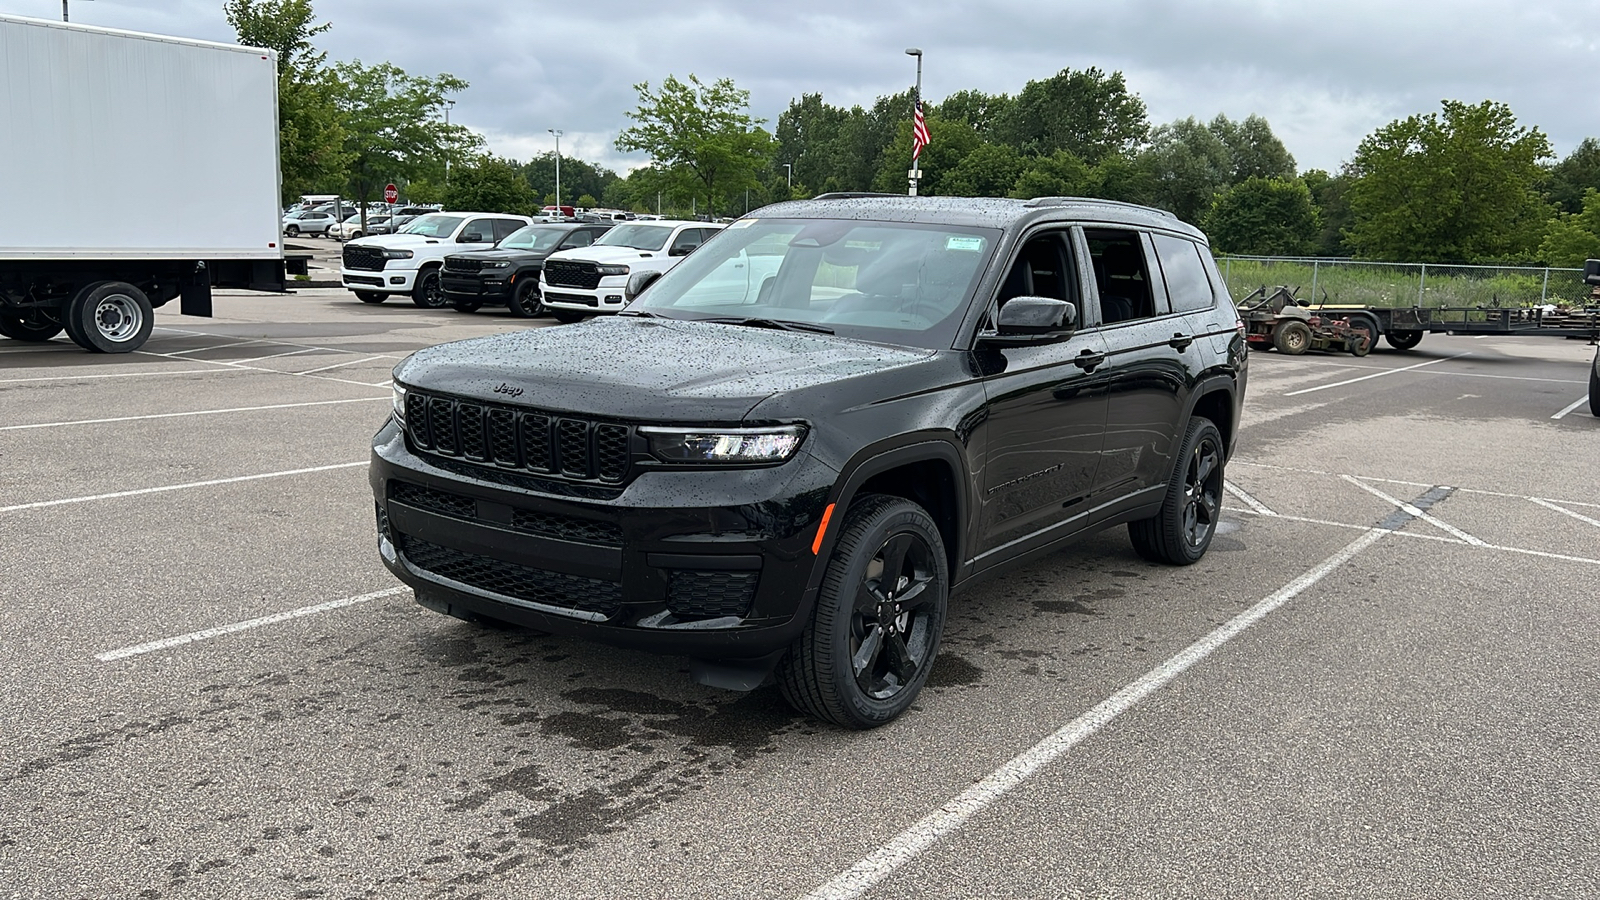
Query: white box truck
(134, 169)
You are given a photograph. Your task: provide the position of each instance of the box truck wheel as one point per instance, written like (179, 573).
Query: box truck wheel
(110, 317)
(29, 325)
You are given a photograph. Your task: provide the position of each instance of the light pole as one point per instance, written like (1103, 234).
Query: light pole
(557, 132)
(63, 10)
(448, 105)
(788, 171)
(916, 102)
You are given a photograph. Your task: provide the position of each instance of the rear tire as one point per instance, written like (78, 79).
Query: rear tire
(1594, 386)
(1181, 532)
(1403, 340)
(32, 325)
(874, 632)
(110, 317)
(371, 296)
(1293, 338)
(427, 292)
(526, 302)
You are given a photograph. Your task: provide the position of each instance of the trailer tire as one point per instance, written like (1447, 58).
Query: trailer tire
(109, 317)
(371, 296)
(1293, 338)
(1370, 326)
(31, 325)
(1403, 340)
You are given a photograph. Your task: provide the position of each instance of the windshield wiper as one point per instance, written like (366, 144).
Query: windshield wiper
(639, 313)
(780, 324)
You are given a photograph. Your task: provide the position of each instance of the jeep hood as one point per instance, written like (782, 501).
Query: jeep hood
(647, 370)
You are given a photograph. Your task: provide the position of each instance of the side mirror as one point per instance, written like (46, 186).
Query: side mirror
(1034, 320)
(637, 282)
(1591, 271)
(471, 237)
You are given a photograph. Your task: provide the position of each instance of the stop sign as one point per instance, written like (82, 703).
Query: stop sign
(391, 194)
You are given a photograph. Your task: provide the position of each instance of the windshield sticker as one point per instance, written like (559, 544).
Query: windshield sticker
(974, 244)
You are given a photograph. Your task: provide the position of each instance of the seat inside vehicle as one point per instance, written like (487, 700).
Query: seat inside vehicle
(1042, 269)
(1119, 275)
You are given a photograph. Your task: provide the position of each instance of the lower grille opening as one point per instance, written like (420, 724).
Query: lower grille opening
(705, 594)
(590, 595)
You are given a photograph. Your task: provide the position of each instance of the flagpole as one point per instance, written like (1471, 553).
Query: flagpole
(916, 106)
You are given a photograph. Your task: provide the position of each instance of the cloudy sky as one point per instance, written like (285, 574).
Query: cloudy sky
(1324, 74)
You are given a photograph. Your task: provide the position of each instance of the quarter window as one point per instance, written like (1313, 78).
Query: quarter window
(1185, 274)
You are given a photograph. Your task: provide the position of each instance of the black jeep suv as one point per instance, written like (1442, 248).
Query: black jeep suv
(508, 275)
(790, 450)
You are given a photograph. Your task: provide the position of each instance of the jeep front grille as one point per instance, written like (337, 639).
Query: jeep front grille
(567, 447)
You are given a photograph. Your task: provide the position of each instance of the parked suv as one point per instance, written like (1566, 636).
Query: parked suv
(791, 473)
(577, 283)
(377, 267)
(508, 275)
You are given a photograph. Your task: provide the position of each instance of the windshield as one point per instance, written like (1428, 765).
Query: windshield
(433, 226)
(534, 237)
(892, 282)
(639, 237)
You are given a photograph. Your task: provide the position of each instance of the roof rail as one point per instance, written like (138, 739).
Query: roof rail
(1096, 201)
(852, 195)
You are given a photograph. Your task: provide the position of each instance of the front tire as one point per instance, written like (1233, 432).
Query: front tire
(526, 302)
(292, 231)
(371, 296)
(1180, 533)
(878, 620)
(110, 317)
(427, 292)
(466, 306)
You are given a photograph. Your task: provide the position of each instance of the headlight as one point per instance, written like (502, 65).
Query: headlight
(397, 254)
(399, 402)
(611, 270)
(496, 264)
(724, 445)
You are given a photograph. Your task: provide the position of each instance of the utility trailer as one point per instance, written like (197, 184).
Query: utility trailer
(1403, 327)
(135, 169)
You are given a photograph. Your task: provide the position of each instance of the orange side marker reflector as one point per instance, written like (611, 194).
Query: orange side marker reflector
(822, 529)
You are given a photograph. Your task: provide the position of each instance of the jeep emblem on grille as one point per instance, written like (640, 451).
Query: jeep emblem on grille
(508, 390)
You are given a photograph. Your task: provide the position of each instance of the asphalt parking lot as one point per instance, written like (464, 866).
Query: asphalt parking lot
(1383, 681)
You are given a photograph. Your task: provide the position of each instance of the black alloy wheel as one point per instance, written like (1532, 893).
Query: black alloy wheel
(1180, 534)
(427, 293)
(1403, 340)
(526, 302)
(34, 325)
(878, 620)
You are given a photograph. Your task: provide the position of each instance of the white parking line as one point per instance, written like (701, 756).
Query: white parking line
(244, 368)
(111, 375)
(340, 365)
(1566, 512)
(197, 412)
(860, 878)
(1415, 512)
(212, 347)
(1374, 375)
(1303, 471)
(1249, 501)
(176, 487)
(241, 362)
(125, 652)
(1572, 406)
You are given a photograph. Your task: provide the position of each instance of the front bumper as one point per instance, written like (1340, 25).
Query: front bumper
(713, 565)
(608, 297)
(389, 280)
(482, 288)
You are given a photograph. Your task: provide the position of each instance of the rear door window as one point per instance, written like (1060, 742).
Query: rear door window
(504, 227)
(1187, 285)
(1122, 275)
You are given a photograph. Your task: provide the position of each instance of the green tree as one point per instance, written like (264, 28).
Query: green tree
(587, 201)
(1058, 175)
(1255, 151)
(1187, 165)
(952, 143)
(807, 138)
(1330, 195)
(489, 184)
(990, 170)
(577, 176)
(1571, 238)
(1456, 186)
(1264, 217)
(1089, 114)
(311, 153)
(392, 125)
(1117, 177)
(1575, 175)
(701, 134)
(982, 111)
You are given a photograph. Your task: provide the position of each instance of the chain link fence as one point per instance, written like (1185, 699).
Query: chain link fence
(1349, 282)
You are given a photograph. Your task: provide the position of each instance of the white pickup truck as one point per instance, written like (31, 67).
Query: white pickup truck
(380, 266)
(589, 280)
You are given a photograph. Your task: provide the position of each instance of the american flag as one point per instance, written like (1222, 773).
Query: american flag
(919, 132)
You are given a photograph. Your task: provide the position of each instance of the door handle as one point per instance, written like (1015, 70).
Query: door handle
(1088, 360)
(1181, 341)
